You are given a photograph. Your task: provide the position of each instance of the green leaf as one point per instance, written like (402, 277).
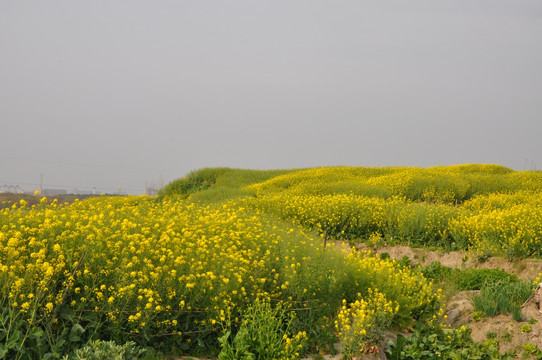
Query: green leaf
(395, 354)
(3, 350)
(66, 312)
(51, 355)
(184, 346)
(75, 332)
(224, 338)
(58, 345)
(14, 339)
(36, 332)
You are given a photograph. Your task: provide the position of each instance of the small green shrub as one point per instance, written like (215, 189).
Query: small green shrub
(491, 335)
(106, 350)
(526, 328)
(530, 350)
(384, 255)
(405, 262)
(510, 354)
(477, 315)
(436, 271)
(506, 336)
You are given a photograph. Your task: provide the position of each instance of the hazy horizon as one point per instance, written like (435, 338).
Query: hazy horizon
(123, 93)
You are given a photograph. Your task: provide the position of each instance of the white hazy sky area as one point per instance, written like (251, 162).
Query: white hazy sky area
(118, 93)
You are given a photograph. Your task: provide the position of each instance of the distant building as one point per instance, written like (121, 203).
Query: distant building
(85, 192)
(77, 191)
(150, 191)
(54, 192)
(14, 189)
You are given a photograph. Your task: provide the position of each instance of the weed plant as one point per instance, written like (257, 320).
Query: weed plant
(437, 272)
(432, 342)
(264, 334)
(476, 279)
(466, 279)
(502, 297)
(107, 350)
(530, 350)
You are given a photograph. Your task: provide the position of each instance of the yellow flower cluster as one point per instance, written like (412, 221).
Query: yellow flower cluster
(409, 290)
(509, 224)
(293, 345)
(343, 216)
(360, 324)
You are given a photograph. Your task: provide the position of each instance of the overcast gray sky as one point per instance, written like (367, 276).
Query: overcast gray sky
(115, 93)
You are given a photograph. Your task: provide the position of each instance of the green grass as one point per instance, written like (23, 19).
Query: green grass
(500, 292)
(477, 279)
(502, 297)
(218, 184)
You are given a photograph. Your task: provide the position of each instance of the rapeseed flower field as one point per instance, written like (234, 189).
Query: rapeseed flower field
(170, 272)
(487, 209)
(167, 273)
